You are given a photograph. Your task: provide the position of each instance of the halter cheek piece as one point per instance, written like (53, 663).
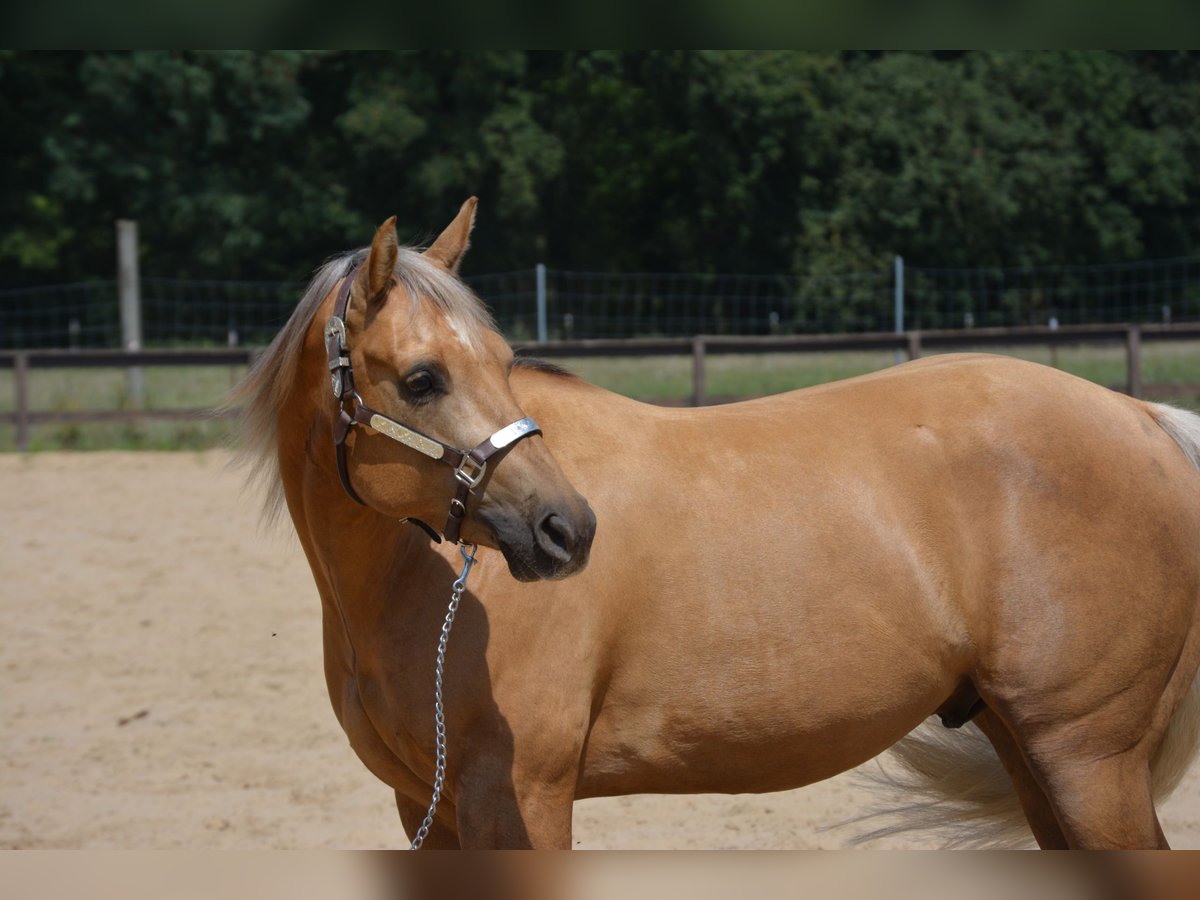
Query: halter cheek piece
(469, 465)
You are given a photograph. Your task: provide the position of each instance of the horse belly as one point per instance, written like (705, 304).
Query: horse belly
(755, 727)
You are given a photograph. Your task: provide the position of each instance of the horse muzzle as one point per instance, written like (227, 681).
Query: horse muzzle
(552, 544)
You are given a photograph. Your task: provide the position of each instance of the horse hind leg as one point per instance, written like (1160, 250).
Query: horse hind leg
(1093, 771)
(1034, 803)
(1103, 771)
(1105, 803)
(965, 705)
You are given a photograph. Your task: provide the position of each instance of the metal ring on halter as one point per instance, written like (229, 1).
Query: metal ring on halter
(470, 479)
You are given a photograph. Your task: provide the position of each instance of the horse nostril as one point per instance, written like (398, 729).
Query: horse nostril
(556, 537)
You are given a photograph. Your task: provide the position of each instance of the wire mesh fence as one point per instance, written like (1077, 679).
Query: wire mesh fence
(512, 297)
(183, 312)
(65, 315)
(1159, 291)
(597, 304)
(175, 312)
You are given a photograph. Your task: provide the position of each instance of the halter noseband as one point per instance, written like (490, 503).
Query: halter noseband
(469, 465)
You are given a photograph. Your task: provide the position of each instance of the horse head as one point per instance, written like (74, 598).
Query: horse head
(432, 373)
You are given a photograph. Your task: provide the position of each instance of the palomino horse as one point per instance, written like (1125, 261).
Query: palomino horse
(778, 590)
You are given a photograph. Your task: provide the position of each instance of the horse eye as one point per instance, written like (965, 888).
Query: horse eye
(419, 383)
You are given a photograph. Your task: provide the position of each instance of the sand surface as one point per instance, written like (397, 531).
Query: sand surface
(163, 685)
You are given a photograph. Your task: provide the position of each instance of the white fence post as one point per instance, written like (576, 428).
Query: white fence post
(899, 286)
(130, 291)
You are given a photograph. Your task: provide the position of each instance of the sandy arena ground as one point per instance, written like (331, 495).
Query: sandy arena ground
(163, 685)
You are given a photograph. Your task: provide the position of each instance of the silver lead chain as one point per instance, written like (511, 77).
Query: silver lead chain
(439, 711)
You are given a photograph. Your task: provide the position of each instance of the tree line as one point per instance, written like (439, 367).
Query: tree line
(257, 165)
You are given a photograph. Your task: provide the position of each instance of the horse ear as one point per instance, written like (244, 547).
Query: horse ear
(375, 277)
(451, 245)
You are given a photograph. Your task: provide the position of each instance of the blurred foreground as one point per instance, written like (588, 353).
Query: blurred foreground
(526, 876)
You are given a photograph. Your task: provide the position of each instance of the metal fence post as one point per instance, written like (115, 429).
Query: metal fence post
(699, 388)
(21, 381)
(898, 268)
(541, 303)
(1133, 360)
(129, 289)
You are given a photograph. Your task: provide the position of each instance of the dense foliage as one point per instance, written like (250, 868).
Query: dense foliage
(257, 165)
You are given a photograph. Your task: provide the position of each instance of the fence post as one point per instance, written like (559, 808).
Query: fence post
(21, 381)
(898, 284)
(914, 345)
(1133, 360)
(129, 289)
(541, 303)
(698, 381)
(231, 341)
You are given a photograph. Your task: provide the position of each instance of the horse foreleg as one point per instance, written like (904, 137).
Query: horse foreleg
(1034, 803)
(497, 808)
(441, 835)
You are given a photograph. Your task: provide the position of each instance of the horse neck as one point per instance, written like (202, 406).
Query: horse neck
(358, 556)
(579, 418)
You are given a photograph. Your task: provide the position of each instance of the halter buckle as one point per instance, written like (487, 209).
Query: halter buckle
(335, 349)
(470, 472)
(335, 328)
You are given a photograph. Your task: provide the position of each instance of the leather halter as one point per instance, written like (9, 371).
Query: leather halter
(469, 465)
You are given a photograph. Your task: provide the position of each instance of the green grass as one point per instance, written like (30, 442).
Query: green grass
(166, 387)
(664, 378)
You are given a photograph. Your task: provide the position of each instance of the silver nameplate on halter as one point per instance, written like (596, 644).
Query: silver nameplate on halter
(510, 433)
(407, 437)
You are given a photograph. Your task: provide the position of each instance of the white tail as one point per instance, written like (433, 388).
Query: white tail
(949, 784)
(963, 794)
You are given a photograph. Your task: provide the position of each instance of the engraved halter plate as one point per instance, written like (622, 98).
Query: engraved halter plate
(407, 437)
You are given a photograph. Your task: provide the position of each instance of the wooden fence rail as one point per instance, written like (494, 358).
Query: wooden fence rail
(911, 343)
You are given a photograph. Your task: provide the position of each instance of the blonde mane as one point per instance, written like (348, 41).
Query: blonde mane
(258, 397)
